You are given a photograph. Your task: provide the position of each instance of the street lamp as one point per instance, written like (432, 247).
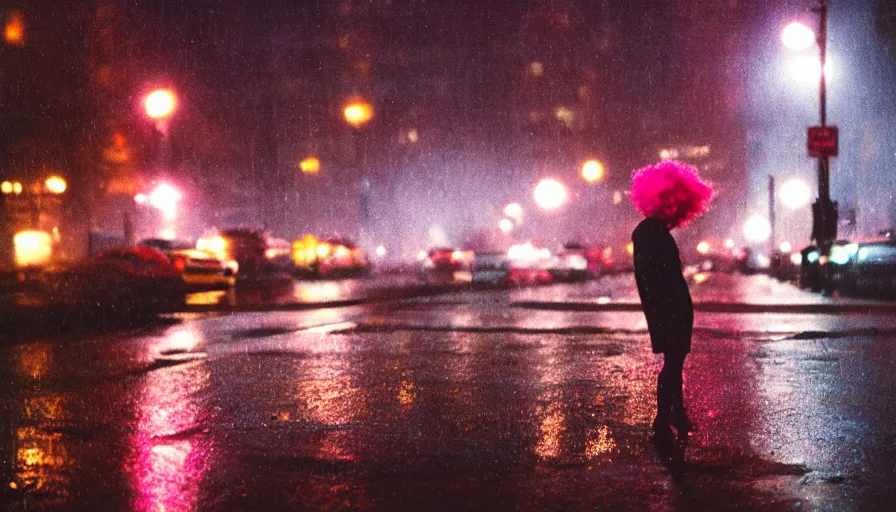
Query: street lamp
(358, 113)
(160, 104)
(550, 194)
(795, 193)
(824, 211)
(55, 185)
(592, 171)
(797, 36)
(757, 229)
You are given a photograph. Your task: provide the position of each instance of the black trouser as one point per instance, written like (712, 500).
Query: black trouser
(669, 396)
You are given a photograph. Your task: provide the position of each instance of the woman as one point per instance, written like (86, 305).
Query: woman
(669, 195)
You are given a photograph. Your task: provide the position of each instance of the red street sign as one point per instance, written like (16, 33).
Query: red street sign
(822, 141)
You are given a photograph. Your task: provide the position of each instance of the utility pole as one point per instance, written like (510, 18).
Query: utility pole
(824, 210)
(771, 217)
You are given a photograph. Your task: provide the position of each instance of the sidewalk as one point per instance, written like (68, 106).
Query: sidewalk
(712, 293)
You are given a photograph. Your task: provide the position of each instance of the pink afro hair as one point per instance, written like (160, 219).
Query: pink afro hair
(670, 191)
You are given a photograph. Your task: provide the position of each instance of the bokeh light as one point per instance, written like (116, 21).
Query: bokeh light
(160, 104)
(310, 165)
(592, 171)
(357, 113)
(795, 193)
(797, 36)
(550, 194)
(55, 185)
(514, 211)
(505, 225)
(757, 229)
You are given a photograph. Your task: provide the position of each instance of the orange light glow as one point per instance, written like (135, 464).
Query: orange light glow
(55, 184)
(14, 31)
(310, 165)
(592, 171)
(357, 113)
(32, 248)
(160, 104)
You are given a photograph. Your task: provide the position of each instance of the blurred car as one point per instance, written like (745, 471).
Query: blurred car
(867, 265)
(810, 269)
(133, 281)
(243, 250)
(490, 268)
(315, 257)
(445, 264)
(571, 264)
(198, 268)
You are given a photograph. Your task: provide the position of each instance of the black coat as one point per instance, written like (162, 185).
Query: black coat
(663, 290)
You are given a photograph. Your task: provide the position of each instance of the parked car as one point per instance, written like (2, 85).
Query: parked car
(867, 265)
(335, 257)
(810, 269)
(446, 264)
(571, 264)
(490, 268)
(134, 281)
(198, 268)
(242, 250)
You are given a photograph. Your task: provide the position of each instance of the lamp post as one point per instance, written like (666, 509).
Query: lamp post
(824, 211)
(159, 105)
(357, 114)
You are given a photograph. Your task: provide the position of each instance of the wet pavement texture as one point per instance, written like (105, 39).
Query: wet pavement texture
(461, 401)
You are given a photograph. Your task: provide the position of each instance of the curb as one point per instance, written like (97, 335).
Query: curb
(718, 307)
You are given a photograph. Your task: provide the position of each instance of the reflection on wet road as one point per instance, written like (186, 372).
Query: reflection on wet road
(451, 403)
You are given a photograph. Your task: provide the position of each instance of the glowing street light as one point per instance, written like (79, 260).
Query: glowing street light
(505, 225)
(55, 185)
(703, 247)
(310, 165)
(795, 194)
(160, 104)
(550, 194)
(357, 113)
(165, 198)
(592, 171)
(14, 29)
(797, 36)
(514, 211)
(757, 229)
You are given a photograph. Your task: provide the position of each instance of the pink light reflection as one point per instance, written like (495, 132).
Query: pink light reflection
(170, 450)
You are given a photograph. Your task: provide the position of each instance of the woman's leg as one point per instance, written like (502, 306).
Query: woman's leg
(669, 395)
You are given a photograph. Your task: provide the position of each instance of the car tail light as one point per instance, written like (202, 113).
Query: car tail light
(180, 264)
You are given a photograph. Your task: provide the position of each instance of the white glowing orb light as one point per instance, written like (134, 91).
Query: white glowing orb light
(505, 225)
(381, 251)
(160, 104)
(550, 194)
(785, 247)
(806, 69)
(797, 36)
(165, 198)
(795, 194)
(514, 211)
(703, 247)
(757, 229)
(729, 244)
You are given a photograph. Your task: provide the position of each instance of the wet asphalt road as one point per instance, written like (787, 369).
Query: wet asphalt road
(461, 401)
